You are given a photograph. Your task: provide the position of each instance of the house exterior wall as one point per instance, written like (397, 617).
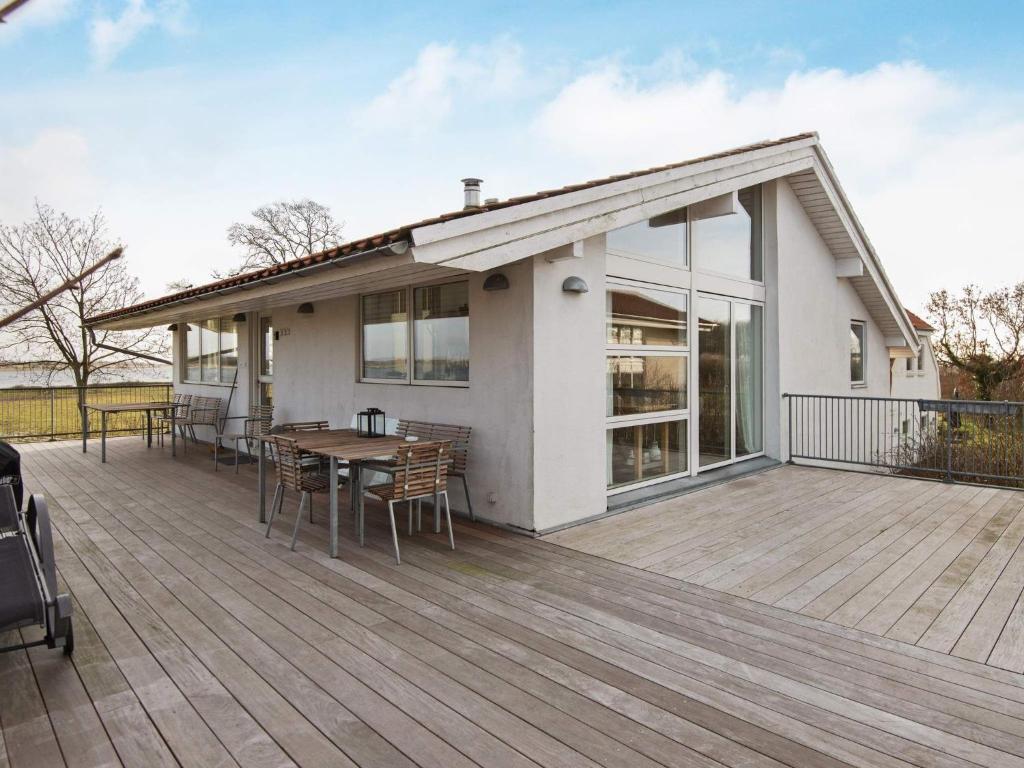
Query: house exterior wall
(239, 405)
(315, 376)
(918, 382)
(814, 310)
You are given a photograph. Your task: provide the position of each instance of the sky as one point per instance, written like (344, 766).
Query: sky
(177, 118)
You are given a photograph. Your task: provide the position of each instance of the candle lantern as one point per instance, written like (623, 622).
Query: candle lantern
(370, 423)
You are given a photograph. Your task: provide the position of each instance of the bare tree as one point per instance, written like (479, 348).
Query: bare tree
(46, 251)
(283, 231)
(177, 286)
(982, 334)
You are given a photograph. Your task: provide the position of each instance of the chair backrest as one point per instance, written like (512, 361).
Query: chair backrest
(181, 402)
(288, 462)
(421, 469)
(260, 419)
(457, 435)
(304, 426)
(205, 410)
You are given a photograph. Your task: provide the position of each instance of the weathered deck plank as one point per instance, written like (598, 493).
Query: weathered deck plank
(206, 643)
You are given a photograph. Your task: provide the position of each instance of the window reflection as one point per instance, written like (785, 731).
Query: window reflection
(661, 239)
(646, 451)
(638, 316)
(731, 244)
(385, 343)
(646, 384)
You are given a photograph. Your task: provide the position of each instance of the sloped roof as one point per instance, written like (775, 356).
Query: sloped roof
(404, 233)
(919, 323)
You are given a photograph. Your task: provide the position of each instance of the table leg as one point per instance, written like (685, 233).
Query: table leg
(333, 493)
(103, 437)
(149, 429)
(262, 484)
(85, 428)
(174, 433)
(357, 488)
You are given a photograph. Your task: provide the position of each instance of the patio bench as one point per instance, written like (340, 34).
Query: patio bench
(28, 577)
(457, 435)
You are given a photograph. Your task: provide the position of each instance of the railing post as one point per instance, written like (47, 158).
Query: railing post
(949, 443)
(789, 428)
(53, 416)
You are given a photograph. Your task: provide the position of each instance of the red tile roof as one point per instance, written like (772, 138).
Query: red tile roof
(404, 233)
(919, 323)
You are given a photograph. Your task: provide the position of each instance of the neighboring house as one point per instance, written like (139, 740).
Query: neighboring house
(917, 376)
(608, 340)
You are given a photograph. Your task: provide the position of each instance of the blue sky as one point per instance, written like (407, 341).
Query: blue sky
(179, 117)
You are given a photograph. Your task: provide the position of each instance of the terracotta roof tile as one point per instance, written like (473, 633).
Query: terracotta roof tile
(404, 233)
(919, 323)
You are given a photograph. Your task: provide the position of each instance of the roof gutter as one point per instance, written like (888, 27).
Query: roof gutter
(397, 248)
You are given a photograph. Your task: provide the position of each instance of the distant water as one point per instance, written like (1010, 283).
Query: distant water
(29, 377)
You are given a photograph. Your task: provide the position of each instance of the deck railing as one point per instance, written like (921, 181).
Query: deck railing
(53, 413)
(954, 440)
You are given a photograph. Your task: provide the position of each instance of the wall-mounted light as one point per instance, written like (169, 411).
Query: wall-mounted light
(575, 285)
(172, 327)
(306, 308)
(239, 317)
(496, 282)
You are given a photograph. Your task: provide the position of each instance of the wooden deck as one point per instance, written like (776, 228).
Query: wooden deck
(936, 565)
(201, 643)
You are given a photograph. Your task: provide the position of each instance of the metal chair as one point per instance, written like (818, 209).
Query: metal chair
(179, 404)
(254, 426)
(420, 471)
(202, 412)
(459, 438)
(295, 475)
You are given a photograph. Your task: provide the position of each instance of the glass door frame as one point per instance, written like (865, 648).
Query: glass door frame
(259, 379)
(695, 466)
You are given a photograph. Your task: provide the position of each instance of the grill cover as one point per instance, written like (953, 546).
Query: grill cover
(10, 470)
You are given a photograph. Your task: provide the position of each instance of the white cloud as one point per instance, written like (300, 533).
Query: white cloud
(932, 173)
(422, 97)
(110, 36)
(39, 13)
(54, 167)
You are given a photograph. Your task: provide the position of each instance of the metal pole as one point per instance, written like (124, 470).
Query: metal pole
(949, 442)
(53, 416)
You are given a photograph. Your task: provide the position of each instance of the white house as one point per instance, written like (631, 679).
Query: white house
(917, 377)
(607, 342)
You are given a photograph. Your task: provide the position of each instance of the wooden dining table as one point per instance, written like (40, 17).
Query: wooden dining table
(338, 446)
(148, 407)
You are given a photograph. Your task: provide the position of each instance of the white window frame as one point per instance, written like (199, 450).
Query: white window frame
(863, 354)
(652, 350)
(410, 339)
(183, 347)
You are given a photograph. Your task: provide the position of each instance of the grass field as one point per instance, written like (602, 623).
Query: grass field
(44, 413)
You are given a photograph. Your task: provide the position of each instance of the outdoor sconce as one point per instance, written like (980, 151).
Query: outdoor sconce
(496, 282)
(575, 285)
(239, 317)
(370, 423)
(306, 308)
(172, 327)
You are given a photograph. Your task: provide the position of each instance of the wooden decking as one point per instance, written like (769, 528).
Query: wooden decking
(201, 643)
(936, 565)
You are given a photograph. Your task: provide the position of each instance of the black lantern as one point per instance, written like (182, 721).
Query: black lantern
(370, 423)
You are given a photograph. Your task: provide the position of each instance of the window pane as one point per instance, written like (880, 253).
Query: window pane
(228, 350)
(642, 316)
(856, 352)
(732, 244)
(267, 346)
(749, 373)
(661, 239)
(646, 384)
(715, 377)
(191, 351)
(385, 339)
(208, 333)
(441, 332)
(646, 451)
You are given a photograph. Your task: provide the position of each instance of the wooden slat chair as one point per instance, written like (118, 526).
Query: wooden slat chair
(254, 426)
(294, 475)
(180, 405)
(304, 426)
(202, 412)
(459, 438)
(420, 471)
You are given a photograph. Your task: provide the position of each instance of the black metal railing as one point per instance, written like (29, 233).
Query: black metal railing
(54, 413)
(954, 440)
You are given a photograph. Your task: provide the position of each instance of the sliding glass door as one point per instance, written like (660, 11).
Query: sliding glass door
(730, 375)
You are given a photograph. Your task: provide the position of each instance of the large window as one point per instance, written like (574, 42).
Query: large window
(661, 239)
(858, 337)
(435, 335)
(647, 375)
(731, 244)
(211, 351)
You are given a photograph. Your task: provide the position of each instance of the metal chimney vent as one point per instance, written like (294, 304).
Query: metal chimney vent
(471, 187)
